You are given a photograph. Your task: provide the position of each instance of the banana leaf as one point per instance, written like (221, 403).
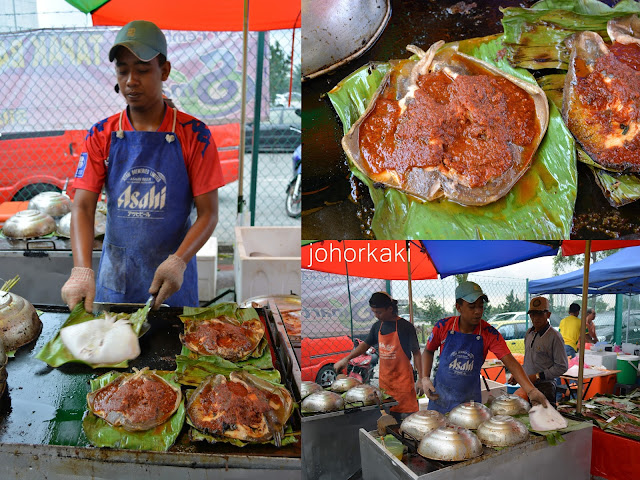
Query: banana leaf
(259, 358)
(539, 206)
(54, 353)
(196, 435)
(158, 439)
(536, 36)
(555, 436)
(535, 39)
(192, 371)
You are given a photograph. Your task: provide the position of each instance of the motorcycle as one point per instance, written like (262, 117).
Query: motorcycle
(362, 367)
(293, 203)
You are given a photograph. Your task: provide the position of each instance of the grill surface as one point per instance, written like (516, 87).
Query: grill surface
(44, 406)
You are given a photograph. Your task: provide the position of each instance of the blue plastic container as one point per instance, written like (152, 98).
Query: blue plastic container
(511, 389)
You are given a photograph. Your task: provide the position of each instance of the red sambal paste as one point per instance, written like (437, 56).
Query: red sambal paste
(473, 127)
(610, 98)
(141, 399)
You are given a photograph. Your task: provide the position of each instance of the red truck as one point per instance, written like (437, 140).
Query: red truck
(35, 162)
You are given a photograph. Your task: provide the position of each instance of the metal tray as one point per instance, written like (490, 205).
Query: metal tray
(43, 407)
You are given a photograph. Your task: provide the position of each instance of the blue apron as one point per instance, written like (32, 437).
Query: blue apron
(149, 201)
(458, 377)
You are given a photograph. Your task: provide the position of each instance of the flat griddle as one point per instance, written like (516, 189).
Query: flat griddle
(328, 186)
(44, 406)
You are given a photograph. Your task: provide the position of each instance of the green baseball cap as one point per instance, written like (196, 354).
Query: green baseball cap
(144, 39)
(470, 292)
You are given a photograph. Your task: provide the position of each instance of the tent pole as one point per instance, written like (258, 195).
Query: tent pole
(255, 144)
(346, 270)
(583, 321)
(409, 280)
(243, 115)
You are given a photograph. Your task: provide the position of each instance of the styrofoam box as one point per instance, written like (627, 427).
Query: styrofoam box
(266, 261)
(495, 390)
(207, 260)
(606, 359)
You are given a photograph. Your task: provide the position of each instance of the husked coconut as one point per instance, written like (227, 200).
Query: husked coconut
(101, 341)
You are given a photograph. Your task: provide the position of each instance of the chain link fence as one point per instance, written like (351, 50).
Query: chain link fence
(57, 82)
(336, 308)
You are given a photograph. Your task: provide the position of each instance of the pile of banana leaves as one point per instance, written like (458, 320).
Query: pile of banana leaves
(536, 39)
(619, 415)
(539, 206)
(159, 439)
(192, 368)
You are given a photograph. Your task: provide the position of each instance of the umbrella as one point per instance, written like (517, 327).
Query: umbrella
(230, 15)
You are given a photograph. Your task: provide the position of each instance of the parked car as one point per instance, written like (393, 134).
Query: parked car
(36, 162)
(604, 327)
(513, 332)
(279, 134)
(503, 317)
(319, 355)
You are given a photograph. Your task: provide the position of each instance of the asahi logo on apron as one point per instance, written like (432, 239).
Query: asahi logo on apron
(387, 351)
(462, 363)
(145, 194)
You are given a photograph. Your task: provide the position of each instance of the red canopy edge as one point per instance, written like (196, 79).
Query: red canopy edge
(384, 259)
(576, 247)
(226, 16)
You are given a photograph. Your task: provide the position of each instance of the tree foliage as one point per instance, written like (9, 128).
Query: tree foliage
(512, 303)
(563, 264)
(280, 71)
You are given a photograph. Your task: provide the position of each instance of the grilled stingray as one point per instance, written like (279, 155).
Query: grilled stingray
(601, 98)
(107, 340)
(224, 336)
(449, 125)
(135, 401)
(243, 407)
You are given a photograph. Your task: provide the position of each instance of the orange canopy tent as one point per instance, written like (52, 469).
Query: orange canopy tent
(222, 16)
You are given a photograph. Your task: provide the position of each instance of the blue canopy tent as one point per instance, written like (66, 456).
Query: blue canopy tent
(618, 273)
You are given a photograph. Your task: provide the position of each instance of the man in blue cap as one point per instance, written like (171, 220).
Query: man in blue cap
(464, 342)
(155, 164)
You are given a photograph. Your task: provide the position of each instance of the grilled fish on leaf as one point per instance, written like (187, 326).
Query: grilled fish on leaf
(242, 407)
(601, 99)
(107, 340)
(449, 125)
(224, 336)
(135, 401)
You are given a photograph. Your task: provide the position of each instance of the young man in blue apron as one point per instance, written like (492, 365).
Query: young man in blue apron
(464, 342)
(397, 341)
(155, 164)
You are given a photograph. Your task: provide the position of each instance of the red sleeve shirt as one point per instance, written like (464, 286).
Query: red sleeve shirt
(491, 338)
(198, 149)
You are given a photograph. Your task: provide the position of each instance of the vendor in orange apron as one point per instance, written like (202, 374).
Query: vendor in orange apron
(396, 372)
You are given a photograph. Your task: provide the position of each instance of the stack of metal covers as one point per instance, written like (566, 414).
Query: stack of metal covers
(41, 418)
(569, 459)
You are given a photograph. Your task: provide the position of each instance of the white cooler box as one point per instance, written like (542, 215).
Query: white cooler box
(266, 261)
(607, 360)
(207, 261)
